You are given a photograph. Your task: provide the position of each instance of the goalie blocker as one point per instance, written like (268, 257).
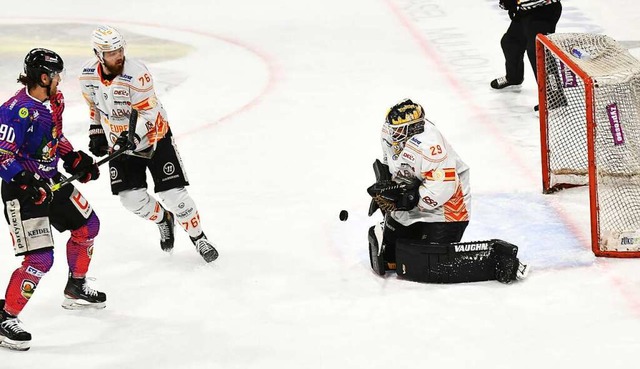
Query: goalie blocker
(449, 263)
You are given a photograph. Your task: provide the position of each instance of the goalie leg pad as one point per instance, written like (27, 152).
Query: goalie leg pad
(445, 263)
(376, 255)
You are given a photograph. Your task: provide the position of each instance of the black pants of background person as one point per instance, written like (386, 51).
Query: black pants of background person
(437, 232)
(521, 37)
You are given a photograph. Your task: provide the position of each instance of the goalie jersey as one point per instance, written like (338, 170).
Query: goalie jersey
(110, 103)
(445, 190)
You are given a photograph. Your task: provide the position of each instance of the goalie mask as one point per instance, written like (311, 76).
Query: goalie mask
(105, 39)
(403, 120)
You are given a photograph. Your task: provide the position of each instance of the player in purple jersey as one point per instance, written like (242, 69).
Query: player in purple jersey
(31, 143)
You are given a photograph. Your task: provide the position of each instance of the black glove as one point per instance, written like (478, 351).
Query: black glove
(34, 187)
(396, 195)
(78, 162)
(98, 141)
(511, 6)
(123, 141)
(508, 4)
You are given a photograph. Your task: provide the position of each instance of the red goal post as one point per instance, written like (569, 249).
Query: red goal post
(589, 96)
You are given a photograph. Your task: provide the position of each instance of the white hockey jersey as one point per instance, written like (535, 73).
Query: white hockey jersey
(110, 103)
(445, 190)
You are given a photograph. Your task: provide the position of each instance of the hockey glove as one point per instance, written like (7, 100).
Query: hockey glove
(98, 141)
(508, 4)
(34, 187)
(401, 194)
(123, 142)
(78, 162)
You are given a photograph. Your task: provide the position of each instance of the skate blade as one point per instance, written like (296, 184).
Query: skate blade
(523, 271)
(210, 256)
(15, 345)
(77, 304)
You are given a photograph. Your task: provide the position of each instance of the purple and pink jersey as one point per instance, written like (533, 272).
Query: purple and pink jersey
(31, 135)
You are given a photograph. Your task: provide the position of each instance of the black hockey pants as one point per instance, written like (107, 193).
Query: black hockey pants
(521, 37)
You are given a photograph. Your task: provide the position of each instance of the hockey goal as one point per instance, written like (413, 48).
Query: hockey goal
(589, 95)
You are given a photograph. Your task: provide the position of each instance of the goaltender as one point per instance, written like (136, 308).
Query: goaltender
(422, 188)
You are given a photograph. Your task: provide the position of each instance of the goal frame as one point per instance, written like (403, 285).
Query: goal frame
(543, 41)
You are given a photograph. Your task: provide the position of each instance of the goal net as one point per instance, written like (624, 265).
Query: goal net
(589, 93)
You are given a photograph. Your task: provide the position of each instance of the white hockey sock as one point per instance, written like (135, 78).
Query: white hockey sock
(139, 202)
(179, 202)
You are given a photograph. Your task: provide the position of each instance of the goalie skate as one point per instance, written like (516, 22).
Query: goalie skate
(79, 296)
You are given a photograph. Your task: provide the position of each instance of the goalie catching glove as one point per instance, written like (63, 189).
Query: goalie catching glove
(399, 194)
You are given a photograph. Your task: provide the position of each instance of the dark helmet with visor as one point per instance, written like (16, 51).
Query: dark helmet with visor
(39, 61)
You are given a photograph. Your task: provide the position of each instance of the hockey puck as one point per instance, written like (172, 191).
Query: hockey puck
(344, 215)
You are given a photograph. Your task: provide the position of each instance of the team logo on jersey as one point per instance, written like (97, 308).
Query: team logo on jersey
(114, 173)
(27, 288)
(169, 168)
(47, 152)
(23, 112)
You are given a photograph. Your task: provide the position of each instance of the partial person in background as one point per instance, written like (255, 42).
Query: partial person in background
(31, 143)
(528, 19)
(112, 85)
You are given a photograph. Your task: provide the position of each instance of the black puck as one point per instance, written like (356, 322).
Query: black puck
(344, 215)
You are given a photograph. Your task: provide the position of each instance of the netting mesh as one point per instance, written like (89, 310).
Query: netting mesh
(616, 107)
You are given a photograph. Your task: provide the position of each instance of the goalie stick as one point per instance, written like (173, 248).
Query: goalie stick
(382, 173)
(133, 120)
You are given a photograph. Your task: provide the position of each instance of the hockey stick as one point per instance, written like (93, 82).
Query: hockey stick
(133, 120)
(381, 172)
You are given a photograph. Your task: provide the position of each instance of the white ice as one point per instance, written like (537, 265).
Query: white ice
(277, 111)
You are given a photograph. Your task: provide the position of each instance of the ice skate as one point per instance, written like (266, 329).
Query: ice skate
(166, 231)
(12, 335)
(78, 296)
(205, 248)
(502, 82)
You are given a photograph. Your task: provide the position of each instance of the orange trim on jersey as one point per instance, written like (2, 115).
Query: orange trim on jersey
(444, 174)
(161, 128)
(455, 210)
(142, 105)
(102, 80)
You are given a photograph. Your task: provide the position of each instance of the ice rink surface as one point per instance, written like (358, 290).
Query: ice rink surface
(277, 108)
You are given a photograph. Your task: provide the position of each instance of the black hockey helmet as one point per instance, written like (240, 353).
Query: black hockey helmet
(40, 61)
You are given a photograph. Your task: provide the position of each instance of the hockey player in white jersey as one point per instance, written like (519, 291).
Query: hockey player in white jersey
(415, 151)
(112, 85)
(423, 189)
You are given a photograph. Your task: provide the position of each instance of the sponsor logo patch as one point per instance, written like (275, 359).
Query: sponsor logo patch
(23, 112)
(169, 168)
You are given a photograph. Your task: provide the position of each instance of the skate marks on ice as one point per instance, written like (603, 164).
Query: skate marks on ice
(541, 228)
